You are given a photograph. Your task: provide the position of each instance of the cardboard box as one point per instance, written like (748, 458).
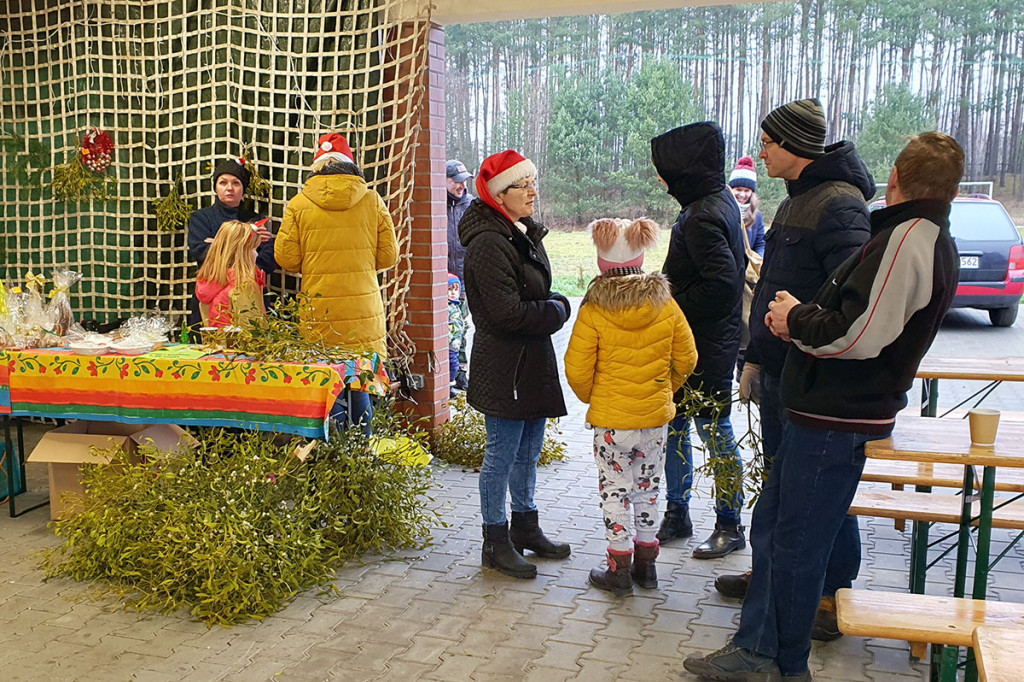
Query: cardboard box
(68, 447)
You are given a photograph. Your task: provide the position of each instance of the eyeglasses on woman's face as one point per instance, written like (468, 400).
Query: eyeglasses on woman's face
(524, 186)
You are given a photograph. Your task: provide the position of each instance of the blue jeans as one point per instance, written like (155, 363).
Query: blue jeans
(721, 442)
(844, 563)
(510, 463)
(361, 408)
(796, 522)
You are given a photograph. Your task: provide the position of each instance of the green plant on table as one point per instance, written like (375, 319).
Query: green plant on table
(237, 526)
(463, 439)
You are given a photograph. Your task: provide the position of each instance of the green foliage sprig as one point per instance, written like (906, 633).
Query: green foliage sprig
(463, 439)
(719, 467)
(236, 527)
(172, 211)
(25, 169)
(259, 187)
(72, 181)
(280, 336)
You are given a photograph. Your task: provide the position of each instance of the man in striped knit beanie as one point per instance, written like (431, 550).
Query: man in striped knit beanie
(821, 223)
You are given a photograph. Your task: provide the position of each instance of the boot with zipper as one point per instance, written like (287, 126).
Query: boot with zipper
(644, 572)
(527, 535)
(675, 524)
(617, 578)
(499, 553)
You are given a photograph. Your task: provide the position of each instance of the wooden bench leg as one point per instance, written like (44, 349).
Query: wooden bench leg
(899, 524)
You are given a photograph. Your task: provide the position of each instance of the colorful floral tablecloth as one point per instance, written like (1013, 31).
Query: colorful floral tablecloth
(159, 388)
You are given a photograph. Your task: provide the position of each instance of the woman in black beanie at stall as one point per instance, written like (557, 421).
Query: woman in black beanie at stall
(230, 178)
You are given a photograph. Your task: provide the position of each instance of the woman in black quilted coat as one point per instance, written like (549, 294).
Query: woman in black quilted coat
(514, 381)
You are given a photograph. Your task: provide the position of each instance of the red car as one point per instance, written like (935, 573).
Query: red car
(991, 257)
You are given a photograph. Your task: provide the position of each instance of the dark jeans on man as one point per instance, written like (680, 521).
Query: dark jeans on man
(796, 522)
(844, 564)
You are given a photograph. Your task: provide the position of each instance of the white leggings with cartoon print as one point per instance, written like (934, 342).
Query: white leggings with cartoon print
(630, 466)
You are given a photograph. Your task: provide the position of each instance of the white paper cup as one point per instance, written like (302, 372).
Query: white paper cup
(984, 423)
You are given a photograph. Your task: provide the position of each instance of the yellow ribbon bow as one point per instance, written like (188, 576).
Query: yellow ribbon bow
(34, 281)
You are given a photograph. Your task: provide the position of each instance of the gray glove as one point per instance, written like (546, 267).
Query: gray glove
(750, 384)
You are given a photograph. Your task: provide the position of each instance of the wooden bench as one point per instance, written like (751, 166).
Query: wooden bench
(904, 473)
(922, 619)
(930, 507)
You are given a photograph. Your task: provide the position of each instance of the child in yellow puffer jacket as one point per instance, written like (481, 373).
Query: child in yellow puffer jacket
(631, 349)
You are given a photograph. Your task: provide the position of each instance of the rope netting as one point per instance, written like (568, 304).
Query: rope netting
(180, 84)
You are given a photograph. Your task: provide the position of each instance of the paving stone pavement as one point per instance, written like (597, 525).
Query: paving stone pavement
(436, 615)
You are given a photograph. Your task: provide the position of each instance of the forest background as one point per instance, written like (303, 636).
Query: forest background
(583, 96)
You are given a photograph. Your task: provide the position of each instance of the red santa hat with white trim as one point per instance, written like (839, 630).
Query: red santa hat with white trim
(498, 172)
(332, 147)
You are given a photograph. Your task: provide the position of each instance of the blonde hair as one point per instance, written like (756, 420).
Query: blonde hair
(231, 249)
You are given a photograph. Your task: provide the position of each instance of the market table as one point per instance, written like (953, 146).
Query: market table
(182, 385)
(994, 371)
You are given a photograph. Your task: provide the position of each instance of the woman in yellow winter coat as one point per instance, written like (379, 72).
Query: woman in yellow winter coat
(339, 234)
(631, 349)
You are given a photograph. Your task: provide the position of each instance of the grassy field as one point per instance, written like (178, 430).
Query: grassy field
(574, 259)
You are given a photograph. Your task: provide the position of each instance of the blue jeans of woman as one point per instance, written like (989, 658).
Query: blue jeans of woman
(718, 436)
(796, 522)
(510, 464)
(357, 405)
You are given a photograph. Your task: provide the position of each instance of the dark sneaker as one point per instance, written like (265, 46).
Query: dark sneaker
(725, 540)
(800, 677)
(826, 622)
(734, 664)
(733, 586)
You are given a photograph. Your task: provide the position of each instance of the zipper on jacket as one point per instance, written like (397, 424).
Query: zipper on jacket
(516, 377)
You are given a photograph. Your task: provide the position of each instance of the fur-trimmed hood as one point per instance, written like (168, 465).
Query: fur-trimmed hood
(648, 293)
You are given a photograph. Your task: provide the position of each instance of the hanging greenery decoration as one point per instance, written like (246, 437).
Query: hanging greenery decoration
(25, 168)
(83, 176)
(259, 187)
(172, 211)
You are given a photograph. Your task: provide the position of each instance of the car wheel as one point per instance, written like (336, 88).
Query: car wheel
(1003, 317)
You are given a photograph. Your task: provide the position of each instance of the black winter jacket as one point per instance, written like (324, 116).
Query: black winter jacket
(204, 223)
(456, 251)
(857, 346)
(822, 222)
(508, 288)
(706, 258)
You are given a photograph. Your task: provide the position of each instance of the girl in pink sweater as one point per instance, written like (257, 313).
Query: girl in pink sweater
(230, 286)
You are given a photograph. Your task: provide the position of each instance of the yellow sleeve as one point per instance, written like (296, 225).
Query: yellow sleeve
(387, 242)
(581, 356)
(287, 247)
(684, 350)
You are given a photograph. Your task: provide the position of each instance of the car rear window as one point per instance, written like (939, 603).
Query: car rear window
(972, 221)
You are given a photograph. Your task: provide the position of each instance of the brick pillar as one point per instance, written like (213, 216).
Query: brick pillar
(427, 299)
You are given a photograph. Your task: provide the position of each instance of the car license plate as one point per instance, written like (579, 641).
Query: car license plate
(968, 262)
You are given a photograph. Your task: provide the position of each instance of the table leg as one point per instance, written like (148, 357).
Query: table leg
(963, 542)
(20, 454)
(919, 550)
(984, 533)
(9, 451)
(929, 397)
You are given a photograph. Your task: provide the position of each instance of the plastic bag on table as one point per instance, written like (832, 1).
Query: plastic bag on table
(60, 302)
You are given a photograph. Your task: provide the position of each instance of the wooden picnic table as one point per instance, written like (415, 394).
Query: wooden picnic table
(996, 649)
(992, 370)
(924, 439)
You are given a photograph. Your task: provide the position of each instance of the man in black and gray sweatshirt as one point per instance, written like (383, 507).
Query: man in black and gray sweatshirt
(856, 349)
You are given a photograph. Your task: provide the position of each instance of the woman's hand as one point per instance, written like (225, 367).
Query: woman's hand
(263, 231)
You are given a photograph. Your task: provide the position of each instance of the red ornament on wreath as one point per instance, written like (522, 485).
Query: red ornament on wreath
(97, 150)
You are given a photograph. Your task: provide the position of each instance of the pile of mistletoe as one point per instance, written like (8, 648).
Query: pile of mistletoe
(233, 527)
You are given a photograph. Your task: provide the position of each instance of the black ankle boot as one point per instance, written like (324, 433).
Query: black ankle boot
(526, 534)
(499, 553)
(727, 538)
(676, 523)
